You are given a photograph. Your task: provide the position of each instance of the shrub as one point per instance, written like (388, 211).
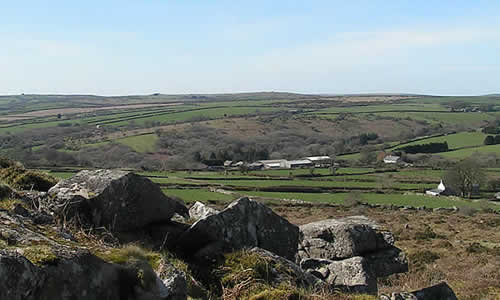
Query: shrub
(427, 234)
(476, 248)
(422, 258)
(489, 140)
(5, 191)
(23, 179)
(467, 211)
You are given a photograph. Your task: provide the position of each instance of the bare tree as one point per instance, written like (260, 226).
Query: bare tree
(464, 177)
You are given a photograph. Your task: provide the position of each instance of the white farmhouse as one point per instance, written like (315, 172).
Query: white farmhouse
(391, 159)
(437, 191)
(320, 161)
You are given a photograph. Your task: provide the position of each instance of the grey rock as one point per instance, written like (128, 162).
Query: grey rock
(352, 275)
(283, 270)
(387, 262)
(243, 224)
(117, 200)
(20, 210)
(42, 218)
(173, 282)
(200, 210)
(78, 276)
(342, 238)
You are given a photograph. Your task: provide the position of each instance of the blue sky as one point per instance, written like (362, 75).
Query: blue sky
(140, 47)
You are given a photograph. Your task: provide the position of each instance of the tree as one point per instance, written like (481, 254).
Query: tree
(464, 176)
(489, 140)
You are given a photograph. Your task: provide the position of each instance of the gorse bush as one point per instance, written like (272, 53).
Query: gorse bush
(16, 176)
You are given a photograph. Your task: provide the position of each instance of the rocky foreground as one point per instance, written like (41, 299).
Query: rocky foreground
(68, 244)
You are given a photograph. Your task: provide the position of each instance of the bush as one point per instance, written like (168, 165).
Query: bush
(5, 191)
(23, 179)
(467, 211)
(427, 234)
(489, 140)
(476, 248)
(421, 258)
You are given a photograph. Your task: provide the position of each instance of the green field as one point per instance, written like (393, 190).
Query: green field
(376, 181)
(382, 107)
(412, 200)
(193, 195)
(140, 143)
(203, 114)
(457, 140)
(463, 153)
(472, 119)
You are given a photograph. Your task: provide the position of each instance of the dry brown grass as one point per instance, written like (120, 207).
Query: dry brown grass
(462, 250)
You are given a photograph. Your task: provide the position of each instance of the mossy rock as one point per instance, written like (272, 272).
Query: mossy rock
(40, 254)
(130, 253)
(23, 179)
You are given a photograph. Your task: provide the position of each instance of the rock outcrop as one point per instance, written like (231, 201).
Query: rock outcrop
(441, 291)
(200, 210)
(290, 272)
(350, 274)
(342, 238)
(350, 253)
(243, 224)
(80, 276)
(117, 200)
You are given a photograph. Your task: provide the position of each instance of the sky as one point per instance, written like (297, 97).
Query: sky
(123, 47)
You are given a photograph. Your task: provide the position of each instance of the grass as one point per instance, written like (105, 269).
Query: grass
(457, 140)
(8, 204)
(318, 184)
(464, 153)
(384, 107)
(209, 113)
(39, 254)
(140, 143)
(128, 253)
(202, 195)
(472, 120)
(411, 200)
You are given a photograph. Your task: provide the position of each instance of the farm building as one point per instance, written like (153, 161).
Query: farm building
(320, 161)
(273, 163)
(301, 163)
(391, 159)
(255, 166)
(437, 191)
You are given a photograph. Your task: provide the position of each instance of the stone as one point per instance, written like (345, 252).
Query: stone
(342, 238)
(440, 291)
(173, 282)
(244, 223)
(387, 262)
(42, 218)
(117, 200)
(200, 210)
(20, 210)
(352, 275)
(81, 275)
(286, 271)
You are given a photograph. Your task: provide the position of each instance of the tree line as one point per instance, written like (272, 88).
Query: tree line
(425, 148)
